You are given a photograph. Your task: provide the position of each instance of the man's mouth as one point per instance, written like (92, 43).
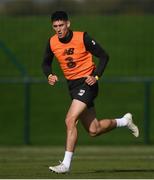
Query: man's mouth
(60, 34)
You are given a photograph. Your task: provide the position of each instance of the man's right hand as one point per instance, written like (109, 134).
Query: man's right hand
(52, 79)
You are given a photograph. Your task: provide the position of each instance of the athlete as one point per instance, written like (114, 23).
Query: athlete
(74, 51)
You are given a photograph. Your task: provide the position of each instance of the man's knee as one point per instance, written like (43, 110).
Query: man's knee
(93, 129)
(92, 132)
(70, 122)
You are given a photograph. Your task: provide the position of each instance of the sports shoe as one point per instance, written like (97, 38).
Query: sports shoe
(61, 168)
(131, 126)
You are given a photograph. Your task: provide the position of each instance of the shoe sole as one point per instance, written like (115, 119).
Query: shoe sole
(51, 170)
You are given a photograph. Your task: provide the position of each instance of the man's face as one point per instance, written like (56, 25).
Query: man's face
(61, 27)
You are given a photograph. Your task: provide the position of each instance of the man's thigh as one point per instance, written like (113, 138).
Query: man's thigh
(76, 108)
(89, 120)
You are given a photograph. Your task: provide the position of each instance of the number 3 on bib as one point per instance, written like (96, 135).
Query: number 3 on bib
(70, 62)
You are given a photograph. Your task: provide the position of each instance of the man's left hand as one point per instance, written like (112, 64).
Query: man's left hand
(90, 80)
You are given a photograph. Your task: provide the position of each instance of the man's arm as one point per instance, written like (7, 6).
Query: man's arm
(47, 61)
(94, 48)
(47, 65)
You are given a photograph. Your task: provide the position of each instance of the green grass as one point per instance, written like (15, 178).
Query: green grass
(104, 162)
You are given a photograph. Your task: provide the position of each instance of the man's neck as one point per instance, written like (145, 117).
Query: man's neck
(67, 37)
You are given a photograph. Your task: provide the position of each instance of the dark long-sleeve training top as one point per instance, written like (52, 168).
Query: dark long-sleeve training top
(90, 44)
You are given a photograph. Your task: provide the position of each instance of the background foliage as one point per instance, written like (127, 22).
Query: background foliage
(126, 36)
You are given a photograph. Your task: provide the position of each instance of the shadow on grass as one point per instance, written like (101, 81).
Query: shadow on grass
(122, 170)
(118, 171)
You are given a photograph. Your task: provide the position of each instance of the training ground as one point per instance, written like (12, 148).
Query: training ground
(102, 162)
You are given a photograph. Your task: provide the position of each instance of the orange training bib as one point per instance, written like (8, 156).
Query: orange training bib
(73, 58)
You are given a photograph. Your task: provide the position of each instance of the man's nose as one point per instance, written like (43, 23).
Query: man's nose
(58, 29)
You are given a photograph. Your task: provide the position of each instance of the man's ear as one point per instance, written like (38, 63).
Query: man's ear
(68, 24)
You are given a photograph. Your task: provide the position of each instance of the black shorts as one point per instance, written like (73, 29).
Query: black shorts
(81, 91)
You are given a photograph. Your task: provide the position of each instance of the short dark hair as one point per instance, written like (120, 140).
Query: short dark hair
(59, 15)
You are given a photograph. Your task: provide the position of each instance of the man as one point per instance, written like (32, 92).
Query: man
(74, 51)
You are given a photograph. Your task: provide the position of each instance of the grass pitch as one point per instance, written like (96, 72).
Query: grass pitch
(89, 162)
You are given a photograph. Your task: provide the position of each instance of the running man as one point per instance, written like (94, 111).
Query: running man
(74, 51)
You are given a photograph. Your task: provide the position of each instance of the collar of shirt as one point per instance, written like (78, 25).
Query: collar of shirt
(67, 38)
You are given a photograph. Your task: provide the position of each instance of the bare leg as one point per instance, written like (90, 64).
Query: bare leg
(76, 108)
(93, 126)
